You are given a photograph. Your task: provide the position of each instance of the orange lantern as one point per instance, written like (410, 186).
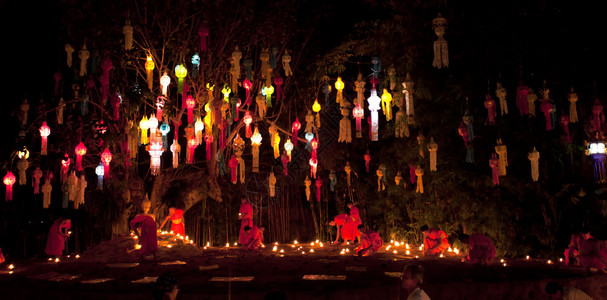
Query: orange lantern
(45, 131)
(208, 138)
(106, 158)
(149, 67)
(9, 180)
(248, 120)
(316, 108)
(339, 85)
(192, 144)
(80, 151)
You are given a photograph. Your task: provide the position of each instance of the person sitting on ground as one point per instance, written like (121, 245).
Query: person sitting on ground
(344, 227)
(593, 255)
(254, 237)
(370, 242)
(481, 248)
(411, 280)
(435, 240)
(573, 250)
(166, 288)
(144, 226)
(59, 232)
(177, 221)
(556, 291)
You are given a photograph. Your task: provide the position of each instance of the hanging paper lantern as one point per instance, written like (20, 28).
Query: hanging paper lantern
(144, 125)
(546, 108)
(401, 126)
(65, 167)
(309, 136)
(522, 91)
(22, 165)
(288, 147)
(80, 151)
(278, 81)
(100, 172)
(348, 170)
(295, 131)
(309, 122)
(36, 175)
(276, 143)
(235, 70)
(360, 90)
(441, 50)
(261, 106)
(255, 143)
(432, 148)
(69, 50)
(165, 80)
(246, 83)
(307, 184)
(333, 180)
(420, 141)
(190, 104)
(374, 101)
(272, 184)
(534, 157)
(198, 128)
(176, 149)
(490, 106)
(47, 188)
(45, 131)
(502, 152)
(181, 72)
(409, 91)
(398, 178)
(318, 183)
(233, 163)
(226, 91)
(192, 144)
(386, 104)
(494, 164)
(286, 60)
(208, 138)
(268, 91)
(155, 154)
(153, 123)
(247, 121)
(380, 174)
(25, 107)
(316, 108)
(9, 180)
(572, 97)
(285, 160)
(339, 85)
(367, 158)
(84, 55)
(164, 130)
(501, 94)
(412, 175)
(60, 108)
(345, 126)
(531, 98)
(149, 67)
(326, 89)
(314, 146)
(239, 150)
(160, 101)
(376, 69)
(127, 30)
(598, 117)
(195, 64)
(564, 121)
(358, 113)
(203, 33)
(419, 172)
(264, 56)
(106, 158)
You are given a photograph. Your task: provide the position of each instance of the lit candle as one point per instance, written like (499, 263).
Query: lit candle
(227, 245)
(11, 266)
(395, 252)
(57, 259)
(527, 257)
(275, 249)
(407, 252)
(282, 251)
(77, 256)
(311, 250)
(396, 244)
(295, 242)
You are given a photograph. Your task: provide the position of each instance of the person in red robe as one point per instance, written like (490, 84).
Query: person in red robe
(245, 214)
(435, 241)
(573, 250)
(481, 247)
(593, 254)
(254, 237)
(356, 220)
(177, 221)
(57, 235)
(344, 227)
(145, 229)
(370, 242)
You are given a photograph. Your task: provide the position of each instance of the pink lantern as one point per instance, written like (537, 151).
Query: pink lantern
(190, 104)
(564, 120)
(9, 180)
(233, 163)
(246, 83)
(313, 166)
(314, 145)
(247, 121)
(494, 164)
(367, 160)
(106, 158)
(522, 91)
(318, 183)
(45, 131)
(285, 160)
(192, 144)
(463, 131)
(159, 105)
(490, 106)
(203, 32)
(546, 108)
(37, 174)
(358, 112)
(80, 151)
(65, 166)
(412, 175)
(278, 81)
(208, 139)
(295, 131)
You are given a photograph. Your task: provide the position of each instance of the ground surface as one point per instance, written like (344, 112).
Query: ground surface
(198, 270)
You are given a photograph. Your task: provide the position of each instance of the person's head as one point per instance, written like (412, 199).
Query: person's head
(171, 210)
(243, 200)
(332, 223)
(413, 277)
(424, 229)
(146, 205)
(247, 228)
(554, 289)
(166, 287)
(350, 204)
(585, 233)
(261, 228)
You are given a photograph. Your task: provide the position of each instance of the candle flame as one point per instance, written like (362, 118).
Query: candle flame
(274, 249)
(11, 266)
(407, 252)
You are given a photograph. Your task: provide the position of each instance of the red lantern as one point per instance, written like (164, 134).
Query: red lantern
(358, 113)
(247, 86)
(9, 180)
(192, 144)
(313, 166)
(248, 120)
(233, 163)
(285, 160)
(106, 158)
(159, 105)
(318, 185)
(45, 131)
(80, 151)
(314, 144)
(278, 81)
(295, 131)
(65, 166)
(367, 160)
(190, 104)
(208, 139)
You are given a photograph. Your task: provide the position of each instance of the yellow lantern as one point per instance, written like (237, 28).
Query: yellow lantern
(255, 143)
(386, 103)
(339, 85)
(226, 93)
(276, 145)
(208, 120)
(181, 72)
(149, 67)
(144, 125)
(316, 108)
